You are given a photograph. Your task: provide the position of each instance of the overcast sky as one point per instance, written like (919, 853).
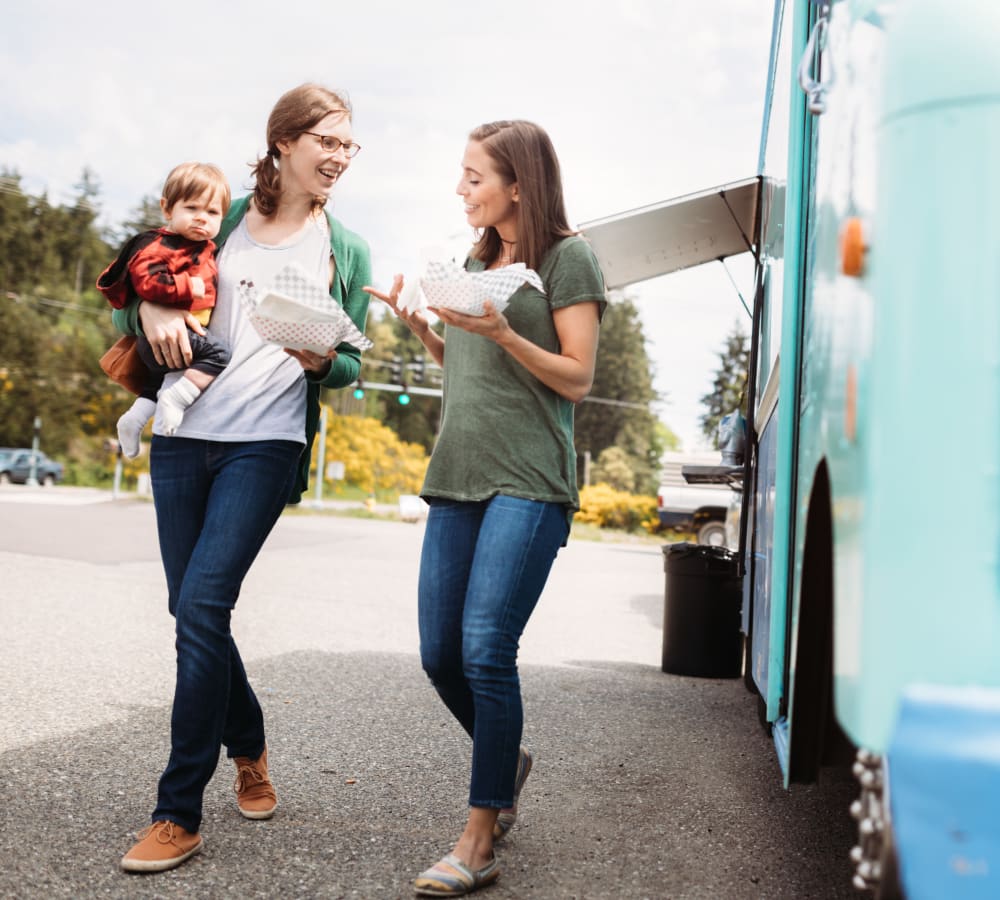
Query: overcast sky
(644, 100)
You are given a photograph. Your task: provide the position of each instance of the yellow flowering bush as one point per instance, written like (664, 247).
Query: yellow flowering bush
(374, 457)
(606, 507)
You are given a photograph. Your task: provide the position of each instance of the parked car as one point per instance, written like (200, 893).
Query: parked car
(701, 510)
(15, 467)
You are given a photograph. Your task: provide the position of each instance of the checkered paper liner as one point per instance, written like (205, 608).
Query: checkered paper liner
(295, 311)
(446, 285)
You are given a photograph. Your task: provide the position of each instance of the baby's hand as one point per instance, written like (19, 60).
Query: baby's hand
(197, 287)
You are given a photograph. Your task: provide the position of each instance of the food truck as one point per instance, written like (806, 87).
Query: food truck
(870, 528)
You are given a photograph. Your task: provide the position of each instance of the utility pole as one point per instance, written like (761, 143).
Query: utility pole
(321, 455)
(33, 471)
(116, 485)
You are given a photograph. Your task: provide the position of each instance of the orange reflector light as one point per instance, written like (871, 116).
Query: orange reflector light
(852, 247)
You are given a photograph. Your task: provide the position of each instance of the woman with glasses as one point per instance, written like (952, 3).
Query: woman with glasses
(241, 453)
(502, 478)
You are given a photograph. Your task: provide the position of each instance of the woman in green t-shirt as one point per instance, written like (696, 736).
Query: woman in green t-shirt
(501, 484)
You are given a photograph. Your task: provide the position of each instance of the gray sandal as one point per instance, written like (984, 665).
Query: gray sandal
(507, 817)
(450, 877)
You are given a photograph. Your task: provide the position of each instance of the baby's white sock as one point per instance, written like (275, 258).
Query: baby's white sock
(174, 401)
(130, 425)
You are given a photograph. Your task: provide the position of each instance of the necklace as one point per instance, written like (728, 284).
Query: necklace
(507, 252)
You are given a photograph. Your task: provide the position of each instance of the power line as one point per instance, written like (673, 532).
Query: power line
(58, 304)
(608, 402)
(437, 392)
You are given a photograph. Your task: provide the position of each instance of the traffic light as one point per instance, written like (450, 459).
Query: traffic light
(419, 369)
(359, 390)
(396, 370)
(404, 396)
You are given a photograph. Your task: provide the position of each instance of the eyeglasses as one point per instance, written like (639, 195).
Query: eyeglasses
(332, 144)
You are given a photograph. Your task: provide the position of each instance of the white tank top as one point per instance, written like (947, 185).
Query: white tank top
(261, 394)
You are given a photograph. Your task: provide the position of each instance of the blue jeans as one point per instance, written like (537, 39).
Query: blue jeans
(215, 505)
(482, 570)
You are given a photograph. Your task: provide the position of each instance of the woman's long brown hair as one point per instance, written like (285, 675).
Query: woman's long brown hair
(523, 154)
(297, 110)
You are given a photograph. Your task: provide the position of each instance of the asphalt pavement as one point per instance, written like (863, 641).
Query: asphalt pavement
(645, 785)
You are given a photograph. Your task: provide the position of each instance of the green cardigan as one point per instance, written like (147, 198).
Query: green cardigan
(352, 262)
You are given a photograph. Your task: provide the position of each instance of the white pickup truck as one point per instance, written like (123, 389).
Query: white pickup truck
(700, 510)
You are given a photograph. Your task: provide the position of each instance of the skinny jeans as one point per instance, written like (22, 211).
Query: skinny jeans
(216, 503)
(482, 569)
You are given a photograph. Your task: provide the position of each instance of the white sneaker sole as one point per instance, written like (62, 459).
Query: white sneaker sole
(160, 865)
(257, 813)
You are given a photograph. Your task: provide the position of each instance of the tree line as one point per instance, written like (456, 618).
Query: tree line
(56, 326)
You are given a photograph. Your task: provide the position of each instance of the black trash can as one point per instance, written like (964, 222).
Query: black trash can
(701, 611)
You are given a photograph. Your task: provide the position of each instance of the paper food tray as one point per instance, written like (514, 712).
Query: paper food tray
(295, 311)
(446, 285)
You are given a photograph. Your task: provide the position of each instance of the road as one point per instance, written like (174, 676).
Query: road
(646, 785)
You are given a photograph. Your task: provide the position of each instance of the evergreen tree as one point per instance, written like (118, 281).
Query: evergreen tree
(16, 251)
(729, 387)
(146, 216)
(623, 373)
(55, 323)
(82, 250)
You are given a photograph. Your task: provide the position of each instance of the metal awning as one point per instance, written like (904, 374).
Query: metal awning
(675, 234)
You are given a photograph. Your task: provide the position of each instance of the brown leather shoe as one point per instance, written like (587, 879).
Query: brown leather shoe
(254, 792)
(163, 845)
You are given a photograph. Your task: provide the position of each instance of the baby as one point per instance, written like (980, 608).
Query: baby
(173, 266)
